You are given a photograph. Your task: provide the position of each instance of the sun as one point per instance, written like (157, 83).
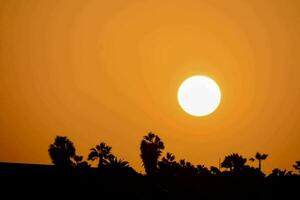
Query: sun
(199, 95)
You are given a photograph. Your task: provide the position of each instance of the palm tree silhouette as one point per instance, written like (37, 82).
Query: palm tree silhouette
(116, 163)
(185, 164)
(62, 151)
(101, 152)
(234, 162)
(297, 166)
(260, 157)
(151, 149)
(167, 165)
(169, 158)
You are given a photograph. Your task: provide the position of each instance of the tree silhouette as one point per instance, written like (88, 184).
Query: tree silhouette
(61, 152)
(101, 152)
(234, 162)
(260, 157)
(297, 166)
(151, 149)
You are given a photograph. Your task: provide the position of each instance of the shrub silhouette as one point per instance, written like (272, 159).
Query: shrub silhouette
(80, 163)
(280, 173)
(202, 170)
(151, 149)
(214, 170)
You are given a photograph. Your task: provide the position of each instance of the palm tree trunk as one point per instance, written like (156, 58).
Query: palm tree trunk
(259, 165)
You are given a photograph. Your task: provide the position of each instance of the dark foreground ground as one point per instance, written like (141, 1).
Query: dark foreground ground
(48, 182)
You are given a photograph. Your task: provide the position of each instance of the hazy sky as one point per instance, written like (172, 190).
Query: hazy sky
(109, 71)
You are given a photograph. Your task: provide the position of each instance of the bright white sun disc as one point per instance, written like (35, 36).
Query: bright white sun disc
(199, 95)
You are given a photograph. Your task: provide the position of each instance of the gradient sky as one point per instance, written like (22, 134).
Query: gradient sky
(109, 71)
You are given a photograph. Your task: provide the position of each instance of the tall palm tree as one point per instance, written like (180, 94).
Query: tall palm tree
(260, 157)
(101, 152)
(151, 149)
(62, 151)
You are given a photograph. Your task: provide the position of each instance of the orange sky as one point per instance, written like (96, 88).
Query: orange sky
(109, 71)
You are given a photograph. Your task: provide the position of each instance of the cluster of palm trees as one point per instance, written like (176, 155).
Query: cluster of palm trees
(151, 150)
(63, 154)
